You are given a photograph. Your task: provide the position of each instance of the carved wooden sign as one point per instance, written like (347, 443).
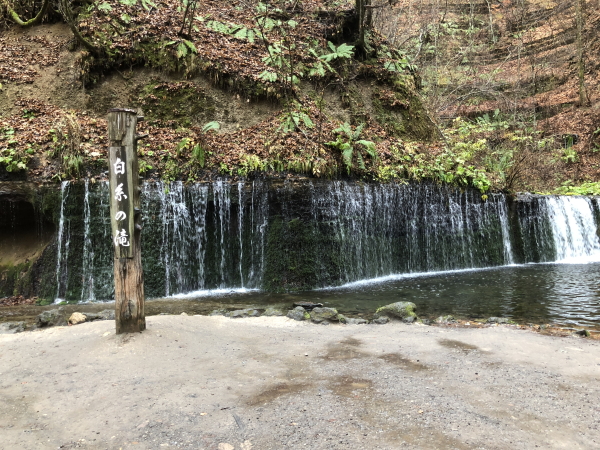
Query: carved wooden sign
(122, 211)
(125, 220)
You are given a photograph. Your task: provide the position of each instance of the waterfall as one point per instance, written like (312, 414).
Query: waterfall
(558, 229)
(61, 244)
(87, 283)
(573, 229)
(385, 229)
(240, 228)
(281, 235)
(506, 243)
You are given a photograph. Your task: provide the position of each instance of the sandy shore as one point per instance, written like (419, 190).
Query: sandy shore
(271, 383)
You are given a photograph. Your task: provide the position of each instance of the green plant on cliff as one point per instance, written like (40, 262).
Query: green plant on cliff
(351, 147)
(295, 119)
(585, 188)
(249, 164)
(12, 158)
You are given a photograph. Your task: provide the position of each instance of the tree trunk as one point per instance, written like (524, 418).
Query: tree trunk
(64, 7)
(125, 221)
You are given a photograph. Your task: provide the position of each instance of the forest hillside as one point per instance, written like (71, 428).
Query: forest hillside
(495, 95)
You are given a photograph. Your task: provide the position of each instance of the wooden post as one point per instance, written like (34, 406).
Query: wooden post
(125, 217)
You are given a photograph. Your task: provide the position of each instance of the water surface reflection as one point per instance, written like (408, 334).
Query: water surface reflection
(567, 294)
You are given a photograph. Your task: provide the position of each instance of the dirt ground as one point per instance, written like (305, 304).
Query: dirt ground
(272, 383)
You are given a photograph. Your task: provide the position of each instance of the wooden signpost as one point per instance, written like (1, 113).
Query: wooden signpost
(125, 220)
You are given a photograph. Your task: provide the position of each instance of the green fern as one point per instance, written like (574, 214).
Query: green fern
(347, 142)
(269, 76)
(190, 45)
(182, 50)
(343, 51)
(211, 126)
(218, 27)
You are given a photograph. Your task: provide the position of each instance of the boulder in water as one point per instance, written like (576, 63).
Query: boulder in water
(381, 320)
(106, 314)
(12, 327)
(404, 311)
(319, 314)
(52, 318)
(352, 321)
(500, 320)
(270, 311)
(298, 313)
(239, 313)
(309, 306)
(445, 319)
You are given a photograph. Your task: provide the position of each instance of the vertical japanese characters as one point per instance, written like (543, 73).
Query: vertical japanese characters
(119, 169)
(122, 200)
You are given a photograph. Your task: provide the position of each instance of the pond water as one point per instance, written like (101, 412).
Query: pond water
(562, 294)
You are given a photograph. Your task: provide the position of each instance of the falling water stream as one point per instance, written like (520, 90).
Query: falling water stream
(351, 245)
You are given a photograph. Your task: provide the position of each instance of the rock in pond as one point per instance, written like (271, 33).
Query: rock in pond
(77, 318)
(309, 306)
(239, 313)
(404, 311)
(270, 311)
(52, 318)
(381, 320)
(218, 312)
(12, 327)
(445, 319)
(106, 314)
(298, 313)
(352, 320)
(499, 320)
(320, 315)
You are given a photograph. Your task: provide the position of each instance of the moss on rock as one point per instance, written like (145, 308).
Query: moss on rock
(404, 311)
(323, 314)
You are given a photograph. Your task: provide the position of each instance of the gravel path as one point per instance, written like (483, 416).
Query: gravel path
(272, 383)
